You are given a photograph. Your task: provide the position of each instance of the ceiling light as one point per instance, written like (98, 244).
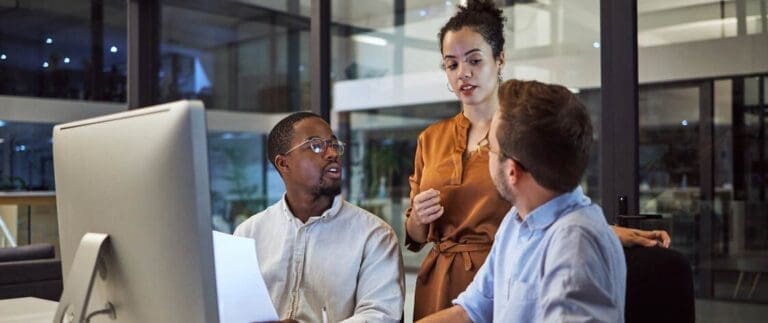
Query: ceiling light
(371, 40)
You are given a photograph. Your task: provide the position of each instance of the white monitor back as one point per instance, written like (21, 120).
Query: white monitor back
(142, 177)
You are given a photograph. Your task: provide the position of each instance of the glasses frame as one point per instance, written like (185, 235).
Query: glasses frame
(517, 161)
(325, 144)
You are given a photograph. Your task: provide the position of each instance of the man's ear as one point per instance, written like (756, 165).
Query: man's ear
(281, 163)
(511, 172)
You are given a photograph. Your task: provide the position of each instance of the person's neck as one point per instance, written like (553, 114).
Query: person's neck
(481, 113)
(305, 205)
(534, 197)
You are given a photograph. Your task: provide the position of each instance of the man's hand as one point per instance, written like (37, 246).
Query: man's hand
(634, 237)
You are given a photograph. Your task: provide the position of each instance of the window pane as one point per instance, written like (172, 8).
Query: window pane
(243, 182)
(72, 49)
(235, 55)
(26, 156)
(702, 141)
(248, 61)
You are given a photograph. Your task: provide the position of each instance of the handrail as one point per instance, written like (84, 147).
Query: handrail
(28, 198)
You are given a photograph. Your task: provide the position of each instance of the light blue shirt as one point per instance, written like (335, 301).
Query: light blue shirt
(562, 263)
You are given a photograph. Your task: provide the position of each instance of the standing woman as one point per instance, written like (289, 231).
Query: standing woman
(454, 204)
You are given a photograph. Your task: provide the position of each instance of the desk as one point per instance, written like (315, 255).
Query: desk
(27, 310)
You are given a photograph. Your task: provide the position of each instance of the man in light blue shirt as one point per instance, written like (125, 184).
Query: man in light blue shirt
(554, 258)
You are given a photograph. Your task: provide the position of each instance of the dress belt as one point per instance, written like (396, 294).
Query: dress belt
(449, 246)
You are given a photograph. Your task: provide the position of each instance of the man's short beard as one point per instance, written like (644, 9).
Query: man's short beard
(330, 191)
(501, 187)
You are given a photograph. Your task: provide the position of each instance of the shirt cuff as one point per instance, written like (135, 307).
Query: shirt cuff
(473, 305)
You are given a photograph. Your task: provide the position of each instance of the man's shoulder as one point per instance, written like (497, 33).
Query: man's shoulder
(363, 218)
(588, 217)
(257, 220)
(587, 222)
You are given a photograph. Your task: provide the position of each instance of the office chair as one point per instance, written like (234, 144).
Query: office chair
(659, 286)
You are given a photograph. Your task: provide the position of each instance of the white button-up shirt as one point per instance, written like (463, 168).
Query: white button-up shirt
(345, 262)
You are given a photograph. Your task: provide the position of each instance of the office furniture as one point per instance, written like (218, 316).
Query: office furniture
(659, 286)
(27, 310)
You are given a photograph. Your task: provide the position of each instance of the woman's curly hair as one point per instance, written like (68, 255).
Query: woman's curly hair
(483, 17)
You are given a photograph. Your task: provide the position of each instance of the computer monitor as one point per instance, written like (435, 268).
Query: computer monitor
(135, 185)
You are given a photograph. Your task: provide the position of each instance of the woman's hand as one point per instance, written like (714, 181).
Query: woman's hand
(426, 207)
(634, 237)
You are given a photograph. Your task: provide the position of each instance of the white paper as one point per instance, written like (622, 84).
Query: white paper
(243, 295)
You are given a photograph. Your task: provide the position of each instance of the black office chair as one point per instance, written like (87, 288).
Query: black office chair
(659, 286)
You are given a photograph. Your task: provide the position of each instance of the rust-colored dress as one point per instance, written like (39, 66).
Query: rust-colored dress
(462, 237)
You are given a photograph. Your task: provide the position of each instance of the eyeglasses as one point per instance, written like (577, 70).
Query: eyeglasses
(320, 145)
(517, 161)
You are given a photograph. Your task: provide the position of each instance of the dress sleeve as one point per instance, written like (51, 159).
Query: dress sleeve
(415, 182)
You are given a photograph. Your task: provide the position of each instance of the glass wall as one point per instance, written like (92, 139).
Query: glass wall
(389, 86)
(248, 61)
(243, 182)
(59, 61)
(702, 139)
(63, 49)
(27, 156)
(235, 55)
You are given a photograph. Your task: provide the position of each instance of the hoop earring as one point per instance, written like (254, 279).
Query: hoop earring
(448, 85)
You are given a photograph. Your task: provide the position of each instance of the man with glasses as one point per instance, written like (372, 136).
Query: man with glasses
(322, 258)
(554, 258)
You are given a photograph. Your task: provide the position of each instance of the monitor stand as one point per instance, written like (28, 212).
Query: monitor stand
(77, 293)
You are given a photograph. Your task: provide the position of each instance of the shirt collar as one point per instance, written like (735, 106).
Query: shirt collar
(327, 214)
(460, 133)
(544, 215)
(461, 120)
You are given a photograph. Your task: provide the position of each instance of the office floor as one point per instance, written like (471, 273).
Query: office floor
(707, 311)
(410, 282)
